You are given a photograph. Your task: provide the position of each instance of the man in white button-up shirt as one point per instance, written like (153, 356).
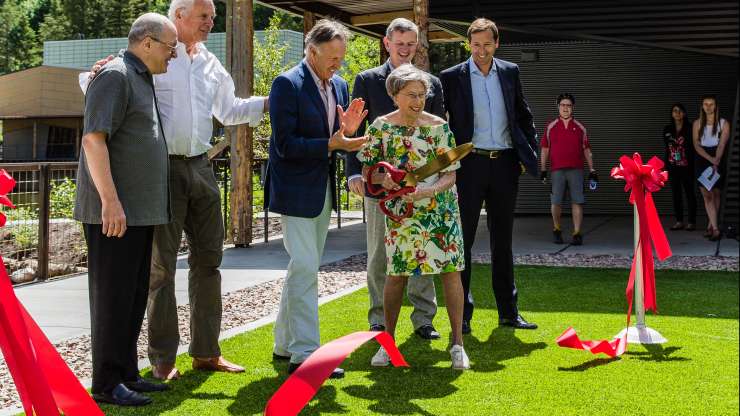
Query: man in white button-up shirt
(195, 88)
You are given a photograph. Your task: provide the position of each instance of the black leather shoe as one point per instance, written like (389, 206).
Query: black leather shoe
(427, 332)
(122, 396)
(278, 357)
(337, 373)
(518, 323)
(377, 328)
(466, 327)
(144, 386)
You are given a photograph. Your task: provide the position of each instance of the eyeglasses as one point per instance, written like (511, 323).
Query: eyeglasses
(173, 49)
(416, 96)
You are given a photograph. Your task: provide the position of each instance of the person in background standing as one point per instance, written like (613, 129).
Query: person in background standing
(679, 157)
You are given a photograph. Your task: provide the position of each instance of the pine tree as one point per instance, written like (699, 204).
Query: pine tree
(115, 19)
(56, 24)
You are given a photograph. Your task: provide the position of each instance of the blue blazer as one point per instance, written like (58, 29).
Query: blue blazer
(300, 164)
(458, 94)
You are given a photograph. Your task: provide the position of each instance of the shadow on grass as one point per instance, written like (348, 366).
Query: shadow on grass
(394, 390)
(501, 345)
(182, 389)
(252, 398)
(654, 353)
(657, 353)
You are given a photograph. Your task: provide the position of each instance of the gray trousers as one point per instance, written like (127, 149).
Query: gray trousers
(297, 326)
(196, 209)
(420, 290)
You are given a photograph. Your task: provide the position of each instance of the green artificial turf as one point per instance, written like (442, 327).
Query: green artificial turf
(513, 372)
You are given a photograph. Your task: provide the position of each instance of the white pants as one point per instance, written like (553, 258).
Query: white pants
(297, 326)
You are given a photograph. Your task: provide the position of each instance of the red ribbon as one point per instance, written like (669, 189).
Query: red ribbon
(44, 382)
(303, 384)
(641, 181)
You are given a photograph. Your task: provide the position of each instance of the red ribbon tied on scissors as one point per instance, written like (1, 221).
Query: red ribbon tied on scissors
(641, 181)
(397, 175)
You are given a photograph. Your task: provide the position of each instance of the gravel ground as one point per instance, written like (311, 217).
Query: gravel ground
(247, 305)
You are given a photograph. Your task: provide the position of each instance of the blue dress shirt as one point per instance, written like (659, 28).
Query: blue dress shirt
(490, 126)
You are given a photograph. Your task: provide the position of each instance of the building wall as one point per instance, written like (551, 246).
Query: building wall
(18, 137)
(623, 96)
(82, 54)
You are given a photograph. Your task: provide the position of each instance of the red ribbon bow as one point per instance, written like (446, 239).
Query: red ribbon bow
(641, 181)
(44, 382)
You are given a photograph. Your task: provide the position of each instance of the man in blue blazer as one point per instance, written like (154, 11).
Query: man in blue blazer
(486, 106)
(308, 125)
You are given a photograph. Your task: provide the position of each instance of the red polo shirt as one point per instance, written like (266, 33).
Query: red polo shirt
(566, 144)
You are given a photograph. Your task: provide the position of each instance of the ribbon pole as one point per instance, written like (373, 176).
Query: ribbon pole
(640, 333)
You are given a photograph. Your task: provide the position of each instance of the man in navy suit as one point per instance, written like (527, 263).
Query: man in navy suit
(308, 126)
(486, 106)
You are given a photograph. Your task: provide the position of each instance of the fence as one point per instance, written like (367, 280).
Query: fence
(42, 241)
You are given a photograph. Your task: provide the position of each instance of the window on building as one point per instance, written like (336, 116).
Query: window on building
(61, 144)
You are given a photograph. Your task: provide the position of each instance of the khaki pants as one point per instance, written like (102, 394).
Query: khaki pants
(420, 290)
(196, 209)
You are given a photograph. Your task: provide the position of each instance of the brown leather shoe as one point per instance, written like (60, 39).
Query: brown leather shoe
(216, 364)
(165, 372)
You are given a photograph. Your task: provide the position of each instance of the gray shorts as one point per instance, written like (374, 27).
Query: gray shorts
(571, 177)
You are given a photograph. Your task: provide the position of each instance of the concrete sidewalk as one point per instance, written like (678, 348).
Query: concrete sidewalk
(61, 307)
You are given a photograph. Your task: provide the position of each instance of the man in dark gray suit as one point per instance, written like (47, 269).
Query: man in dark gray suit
(401, 40)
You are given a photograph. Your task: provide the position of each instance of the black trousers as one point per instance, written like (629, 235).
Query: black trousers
(495, 181)
(682, 181)
(118, 276)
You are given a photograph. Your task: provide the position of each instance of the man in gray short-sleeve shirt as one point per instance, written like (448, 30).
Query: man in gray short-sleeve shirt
(122, 193)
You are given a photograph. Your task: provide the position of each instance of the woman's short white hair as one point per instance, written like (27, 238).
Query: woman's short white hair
(404, 74)
(177, 5)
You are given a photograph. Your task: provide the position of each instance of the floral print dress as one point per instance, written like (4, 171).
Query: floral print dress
(430, 241)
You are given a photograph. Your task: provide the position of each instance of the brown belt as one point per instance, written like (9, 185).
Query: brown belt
(491, 154)
(183, 157)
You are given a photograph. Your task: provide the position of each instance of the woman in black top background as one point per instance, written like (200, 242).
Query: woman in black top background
(679, 158)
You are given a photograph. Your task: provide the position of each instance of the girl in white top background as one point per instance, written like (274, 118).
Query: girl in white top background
(710, 139)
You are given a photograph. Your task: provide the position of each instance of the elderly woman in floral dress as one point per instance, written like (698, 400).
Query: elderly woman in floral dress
(430, 241)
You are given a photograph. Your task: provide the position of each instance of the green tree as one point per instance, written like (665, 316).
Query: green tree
(269, 55)
(116, 23)
(362, 53)
(56, 24)
(19, 47)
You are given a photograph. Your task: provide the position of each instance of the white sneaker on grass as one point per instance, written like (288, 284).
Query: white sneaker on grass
(460, 360)
(380, 359)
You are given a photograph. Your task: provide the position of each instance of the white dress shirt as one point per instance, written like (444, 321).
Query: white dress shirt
(190, 93)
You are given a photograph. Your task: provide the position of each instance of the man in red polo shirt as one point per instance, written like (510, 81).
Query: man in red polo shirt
(565, 144)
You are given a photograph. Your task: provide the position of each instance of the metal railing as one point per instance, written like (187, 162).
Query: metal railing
(42, 241)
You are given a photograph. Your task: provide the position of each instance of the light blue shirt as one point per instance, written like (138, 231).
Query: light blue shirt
(490, 123)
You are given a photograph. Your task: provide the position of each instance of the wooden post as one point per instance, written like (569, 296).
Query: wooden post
(240, 61)
(421, 18)
(42, 271)
(35, 144)
(383, 52)
(78, 140)
(309, 20)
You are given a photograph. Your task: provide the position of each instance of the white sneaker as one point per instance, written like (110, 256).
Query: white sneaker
(380, 359)
(460, 360)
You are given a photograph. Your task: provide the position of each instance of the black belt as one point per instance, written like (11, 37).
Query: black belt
(491, 154)
(183, 157)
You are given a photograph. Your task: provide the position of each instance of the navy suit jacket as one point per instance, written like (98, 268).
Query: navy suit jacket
(300, 164)
(458, 94)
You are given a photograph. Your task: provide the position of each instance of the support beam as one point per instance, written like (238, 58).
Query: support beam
(240, 61)
(35, 143)
(421, 18)
(380, 18)
(309, 20)
(439, 36)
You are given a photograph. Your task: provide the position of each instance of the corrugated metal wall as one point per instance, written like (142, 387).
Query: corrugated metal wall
(731, 209)
(624, 96)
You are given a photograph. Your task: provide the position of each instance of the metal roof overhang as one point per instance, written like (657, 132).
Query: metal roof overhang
(685, 25)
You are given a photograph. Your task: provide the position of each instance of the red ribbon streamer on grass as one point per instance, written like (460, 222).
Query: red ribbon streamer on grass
(44, 382)
(306, 380)
(641, 181)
